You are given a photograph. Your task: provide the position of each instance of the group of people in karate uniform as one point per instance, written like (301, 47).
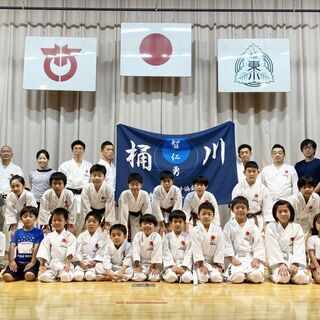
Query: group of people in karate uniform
(274, 224)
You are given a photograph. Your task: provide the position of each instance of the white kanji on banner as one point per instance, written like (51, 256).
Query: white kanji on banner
(156, 49)
(58, 63)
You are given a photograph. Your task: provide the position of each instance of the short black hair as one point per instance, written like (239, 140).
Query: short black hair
(304, 181)
(106, 143)
(177, 214)
(98, 168)
(58, 176)
(307, 142)
(251, 164)
(45, 152)
(239, 200)
(201, 180)
(244, 146)
(60, 212)
(29, 209)
(135, 176)
(148, 218)
(283, 203)
(166, 174)
(119, 227)
(206, 206)
(19, 178)
(278, 146)
(78, 142)
(94, 214)
(314, 230)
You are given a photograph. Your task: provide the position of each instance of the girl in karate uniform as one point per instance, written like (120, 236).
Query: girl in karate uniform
(285, 246)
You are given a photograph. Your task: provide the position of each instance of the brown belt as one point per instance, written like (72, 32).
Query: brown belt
(254, 216)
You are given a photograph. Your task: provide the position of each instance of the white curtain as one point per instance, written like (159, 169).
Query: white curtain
(31, 120)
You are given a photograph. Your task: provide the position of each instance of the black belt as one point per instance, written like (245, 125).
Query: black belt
(75, 191)
(135, 214)
(99, 211)
(193, 217)
(168, 210)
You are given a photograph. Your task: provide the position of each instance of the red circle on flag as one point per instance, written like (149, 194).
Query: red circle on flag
(156, 49)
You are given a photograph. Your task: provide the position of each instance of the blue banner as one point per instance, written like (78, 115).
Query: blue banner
(211, 153)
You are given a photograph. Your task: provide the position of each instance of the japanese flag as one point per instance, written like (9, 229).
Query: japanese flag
(156, 49)
(60, 63)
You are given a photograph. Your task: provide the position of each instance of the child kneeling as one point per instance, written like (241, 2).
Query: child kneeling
(147, 250)
(207, 246)
(177, 255)
(57, 250)
(244, 245)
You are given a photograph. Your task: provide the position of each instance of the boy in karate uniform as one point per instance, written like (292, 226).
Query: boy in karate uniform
(165, 198)
(57, 197)
(260, 201)
(57, 250)
(97, 196)
(195, 198)
(306, 204)
(177, 255)
(117, 263)
(147, 250)
(244, 245)
(91, 246)
(133, 203)
(207, 246)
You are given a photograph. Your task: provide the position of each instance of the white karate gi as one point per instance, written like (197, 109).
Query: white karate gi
(259, 200)
(89, 248)
(101, 199)
(286, 246)
(281, 182)
(165, 200)
(2, 245)
(115, 258)
(111, 173)
(314, 244)
(305, 212)
(50, 201)
(177, 252)
(192, 203)
(127, 202)
(14, 205)
(245, 244)
(208, 246)
(146, 250)
(240, 169)
(77, 178)
(54, 249)
(6, 174)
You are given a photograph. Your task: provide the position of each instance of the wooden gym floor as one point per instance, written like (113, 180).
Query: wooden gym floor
(105, 300)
